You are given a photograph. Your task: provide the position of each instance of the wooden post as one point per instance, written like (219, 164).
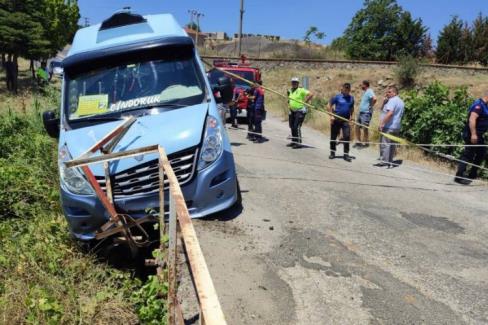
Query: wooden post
(172, 258)
(207, 295)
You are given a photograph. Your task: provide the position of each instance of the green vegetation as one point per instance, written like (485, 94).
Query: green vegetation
(44, 277)
(35, 30)
(382, 30)
(461, 43)
(436, 115)
(313, 31)
(407, 70)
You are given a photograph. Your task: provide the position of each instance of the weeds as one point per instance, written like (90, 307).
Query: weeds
(44, 278)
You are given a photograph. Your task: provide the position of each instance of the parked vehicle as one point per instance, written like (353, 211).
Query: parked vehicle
(55, 68)
(146, 67)
(241, 69)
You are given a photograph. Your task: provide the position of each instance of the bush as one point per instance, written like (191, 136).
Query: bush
(407, 70)
(28, 172)
(44, 279)
(436, 117)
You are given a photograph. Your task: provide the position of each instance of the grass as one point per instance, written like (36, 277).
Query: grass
(44, 277)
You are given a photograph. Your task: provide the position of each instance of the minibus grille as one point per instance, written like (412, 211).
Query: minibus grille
(144, 178)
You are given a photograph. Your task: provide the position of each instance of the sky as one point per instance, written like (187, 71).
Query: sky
(286, 18)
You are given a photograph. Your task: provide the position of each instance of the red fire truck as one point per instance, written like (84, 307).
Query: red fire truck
(241, 69)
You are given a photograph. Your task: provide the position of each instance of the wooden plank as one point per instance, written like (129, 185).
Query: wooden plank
(172, 258)
(111, 156)
(207, 295)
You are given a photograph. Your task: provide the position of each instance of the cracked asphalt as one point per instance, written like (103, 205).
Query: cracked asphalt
(324, 241)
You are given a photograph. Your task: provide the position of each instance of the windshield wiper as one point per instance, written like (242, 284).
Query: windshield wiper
(99, 118)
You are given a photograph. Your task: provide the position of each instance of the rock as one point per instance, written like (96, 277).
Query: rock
(381, 82)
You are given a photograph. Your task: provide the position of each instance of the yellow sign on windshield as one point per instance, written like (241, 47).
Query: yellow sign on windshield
(93, 104)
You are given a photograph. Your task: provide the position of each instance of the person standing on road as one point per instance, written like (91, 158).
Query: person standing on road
(368, 100)
(234, 105)
(473, 133)
(259, 112)
(250, 114)
(390, 123)
(341, 105)
(297, 96)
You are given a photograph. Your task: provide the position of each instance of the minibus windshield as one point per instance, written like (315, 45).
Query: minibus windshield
(133, 86)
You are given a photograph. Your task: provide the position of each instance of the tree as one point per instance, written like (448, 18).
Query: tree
(448, 42)
(193, 26)
(34, 29)
(313, 32)
(427, 49)
(382, 30)
(480, 39)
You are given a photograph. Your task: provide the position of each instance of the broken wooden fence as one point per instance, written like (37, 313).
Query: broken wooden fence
(122, 224)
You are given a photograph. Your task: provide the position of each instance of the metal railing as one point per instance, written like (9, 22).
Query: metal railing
(179, 217)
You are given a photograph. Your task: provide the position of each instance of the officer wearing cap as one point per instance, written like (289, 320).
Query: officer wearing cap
(297, 96)
(474, 130)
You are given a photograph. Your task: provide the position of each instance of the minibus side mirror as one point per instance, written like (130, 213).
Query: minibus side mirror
(51, 124)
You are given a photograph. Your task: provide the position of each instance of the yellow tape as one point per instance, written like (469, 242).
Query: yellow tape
(386, 135)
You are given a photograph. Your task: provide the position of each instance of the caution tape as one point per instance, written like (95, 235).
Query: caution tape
(306, 145)
(396, 139)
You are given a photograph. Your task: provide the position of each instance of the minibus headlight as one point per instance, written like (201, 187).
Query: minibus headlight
(212, 143)
(72, 178)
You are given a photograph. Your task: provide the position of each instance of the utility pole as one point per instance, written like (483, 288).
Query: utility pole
(240, 27)
(87, 22)
(192, 14)
(198, 15)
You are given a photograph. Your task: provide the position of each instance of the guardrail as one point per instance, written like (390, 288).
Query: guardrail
(122, 224)
(442, 66)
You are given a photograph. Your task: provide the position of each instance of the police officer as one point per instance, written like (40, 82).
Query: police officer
(476, 126)
(234, 105)
(259, 112)
(342, 105)
(296, 97)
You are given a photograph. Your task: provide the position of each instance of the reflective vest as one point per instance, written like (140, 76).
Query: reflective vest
(296, 98)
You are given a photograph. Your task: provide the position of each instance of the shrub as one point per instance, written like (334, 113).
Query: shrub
(435, 116)
(407, 70)
(28, 173)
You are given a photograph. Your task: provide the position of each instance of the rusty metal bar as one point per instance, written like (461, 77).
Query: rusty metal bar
(108, 182)
(99, 192)
(118, 130)
(111, 156)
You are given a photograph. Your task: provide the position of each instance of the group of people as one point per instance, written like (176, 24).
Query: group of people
(341, 109)
(252, 101)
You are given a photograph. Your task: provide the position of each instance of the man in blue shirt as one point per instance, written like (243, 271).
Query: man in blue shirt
(365, 113)
(390, 122)
(476, 127)
(342, 105)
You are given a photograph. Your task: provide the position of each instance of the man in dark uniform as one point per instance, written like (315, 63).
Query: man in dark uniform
(259, 111)
(342, 105)
(473, 133)
(250, 113)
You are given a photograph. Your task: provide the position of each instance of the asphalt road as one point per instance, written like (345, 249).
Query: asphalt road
(324, 241)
